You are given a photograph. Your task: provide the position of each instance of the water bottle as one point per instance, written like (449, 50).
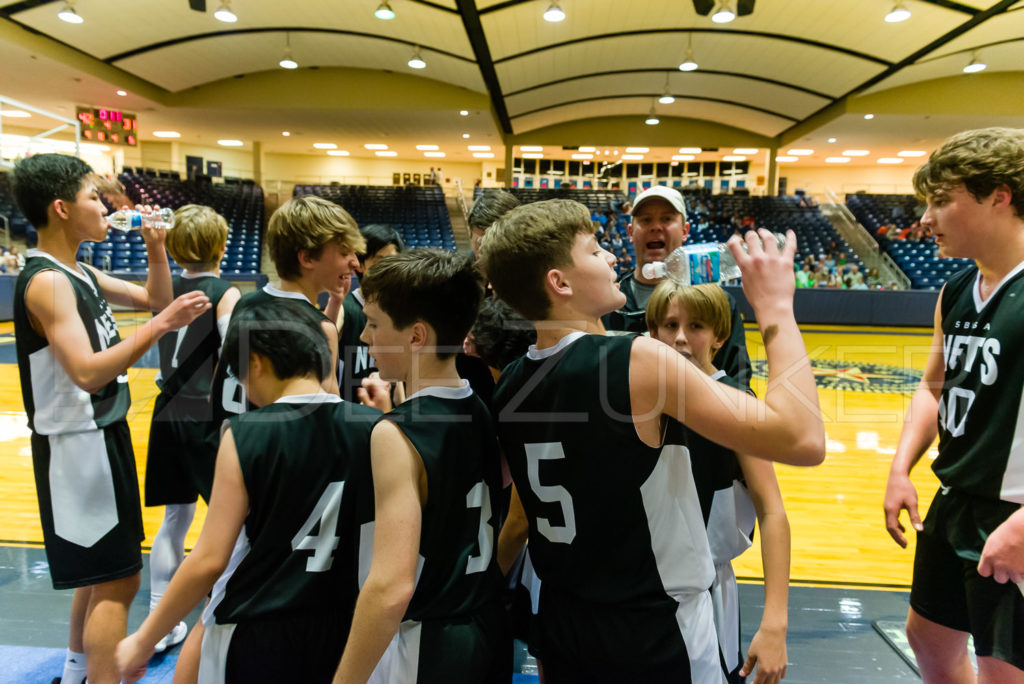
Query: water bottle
(130, 219)
(706, 262)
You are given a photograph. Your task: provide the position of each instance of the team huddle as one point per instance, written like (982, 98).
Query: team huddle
(368, 526)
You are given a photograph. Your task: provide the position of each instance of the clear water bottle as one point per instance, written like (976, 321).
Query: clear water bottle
(706, 262)
(130, 219)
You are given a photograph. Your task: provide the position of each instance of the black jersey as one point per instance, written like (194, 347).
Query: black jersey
(453, 433)
(981, 427)
(227, 395)
(614, 524)
(731, 357)
(54, 403)
(305, 461)
(354, 354)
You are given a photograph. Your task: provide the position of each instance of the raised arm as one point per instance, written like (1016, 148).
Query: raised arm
(920, 429)
(384, 598)
(52, 306)
(786, 426)
(229, 505)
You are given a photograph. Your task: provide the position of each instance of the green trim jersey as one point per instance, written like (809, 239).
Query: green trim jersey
(616, 533)
(54, 403)
(188, 356)
(981, 414)
(305, 462)
(227, 394)
(356, 362)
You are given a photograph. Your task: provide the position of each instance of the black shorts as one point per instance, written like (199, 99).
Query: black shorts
(947, 588)
(303, 648)
(182, 452)
(89, 505)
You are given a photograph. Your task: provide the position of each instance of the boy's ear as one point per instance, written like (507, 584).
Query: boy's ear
(305, 258)
(1002, 196)
(418, 334)
(556, 283)
(60, 207)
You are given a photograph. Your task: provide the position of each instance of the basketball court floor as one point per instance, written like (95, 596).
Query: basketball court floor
(850, 582)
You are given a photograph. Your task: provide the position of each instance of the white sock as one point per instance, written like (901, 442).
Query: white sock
(74, 668)
(168, 549)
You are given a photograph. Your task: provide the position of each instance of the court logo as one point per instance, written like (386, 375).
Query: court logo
(856, 377)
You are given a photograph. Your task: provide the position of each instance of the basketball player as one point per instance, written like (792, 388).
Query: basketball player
(615, 529)
(429, 610)
(73, 366)
(279, 548)
(969, 396)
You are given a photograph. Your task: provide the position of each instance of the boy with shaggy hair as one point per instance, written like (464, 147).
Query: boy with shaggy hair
(969, 397)
(615, 529)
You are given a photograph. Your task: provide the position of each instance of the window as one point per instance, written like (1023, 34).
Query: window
(632, 170)
(662, 170)
(530, 166)
(646, 170)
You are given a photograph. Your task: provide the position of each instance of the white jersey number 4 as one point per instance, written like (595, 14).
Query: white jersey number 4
(323, 544)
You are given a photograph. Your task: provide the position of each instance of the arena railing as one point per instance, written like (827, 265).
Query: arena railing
(861, 241)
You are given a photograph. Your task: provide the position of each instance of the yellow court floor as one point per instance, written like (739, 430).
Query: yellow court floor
(865, 378)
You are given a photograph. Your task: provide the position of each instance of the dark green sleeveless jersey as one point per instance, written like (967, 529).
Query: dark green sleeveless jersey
(612, 522)
(981, 427)
(189, 355)
(305, 461)
(227, 395)
(354, 354)
(54, 404)
(453, 433)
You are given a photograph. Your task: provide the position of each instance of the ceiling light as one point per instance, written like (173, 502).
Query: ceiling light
(375, 146)
(666, 98)
(533, 155)
(911, 153)
(856, 153)
(683, 157)
(652, 118)
(286, 61)
(588, 149)
(285, 133)
(638, 150)
(831, 140)
(787, 159)
(386, 153)
(632, 157)
(167, 134)
(898, 13)
(745, 150)
(225, 14)
(68, 14)
(433, 154)
(230, 143)
(479, 148)
(122, 93)
(465, 136)
(325, 146)
(416, 62)
(724, 13)
(689, 150)
(15, 114)
(582, 156)
(427, 147)
(689, 62)
(869, 117)
(463, 112)
(799, 152)
(734, 157)
(554, 13)
(836, 160)
(974, 66)
(337, 153)
(530, 148)
(891, 160)
(484, 155)
(384, 12)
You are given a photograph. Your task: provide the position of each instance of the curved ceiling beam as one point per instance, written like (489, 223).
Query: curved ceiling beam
(655, 96)
(276, 29)
(971, 49)
(620, 72)
(716, 31)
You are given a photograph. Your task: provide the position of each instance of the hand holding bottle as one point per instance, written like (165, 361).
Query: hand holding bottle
(141, 217)
(767, 270)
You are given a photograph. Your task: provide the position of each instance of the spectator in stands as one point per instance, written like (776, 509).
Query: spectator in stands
(820, 275)
(830, 262)
(804, 276)
(873, 280)
(490, 206)
(854, 279)
(616, 242)
(884, 229)
(433, 176)
(897, 212)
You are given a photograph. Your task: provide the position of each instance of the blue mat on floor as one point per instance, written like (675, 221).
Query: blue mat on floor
(31, 665)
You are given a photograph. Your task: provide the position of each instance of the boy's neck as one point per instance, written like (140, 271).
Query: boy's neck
(429, 371)
(307, 289)
(56, 243)
(551, 331)
(291, 387)
(1004, 256)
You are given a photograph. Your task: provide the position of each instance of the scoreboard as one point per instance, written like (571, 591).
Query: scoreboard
(109, 126)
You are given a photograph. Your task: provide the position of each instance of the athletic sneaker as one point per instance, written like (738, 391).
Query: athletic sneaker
(176, 636)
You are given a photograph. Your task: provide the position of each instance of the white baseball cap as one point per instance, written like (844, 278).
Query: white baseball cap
(670, 195)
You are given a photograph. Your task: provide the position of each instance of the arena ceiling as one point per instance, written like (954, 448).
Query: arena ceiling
(790, 73)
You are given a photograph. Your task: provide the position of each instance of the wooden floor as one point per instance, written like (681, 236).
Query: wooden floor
(865, 376)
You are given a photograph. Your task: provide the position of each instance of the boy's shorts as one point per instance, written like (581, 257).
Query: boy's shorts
(89, 505)
(182, 452)
(947, 588)
(304, 648)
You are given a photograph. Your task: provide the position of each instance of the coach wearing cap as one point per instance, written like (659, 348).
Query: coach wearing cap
(658, 227)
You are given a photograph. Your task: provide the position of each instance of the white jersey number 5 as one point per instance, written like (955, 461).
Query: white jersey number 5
(549, 451)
